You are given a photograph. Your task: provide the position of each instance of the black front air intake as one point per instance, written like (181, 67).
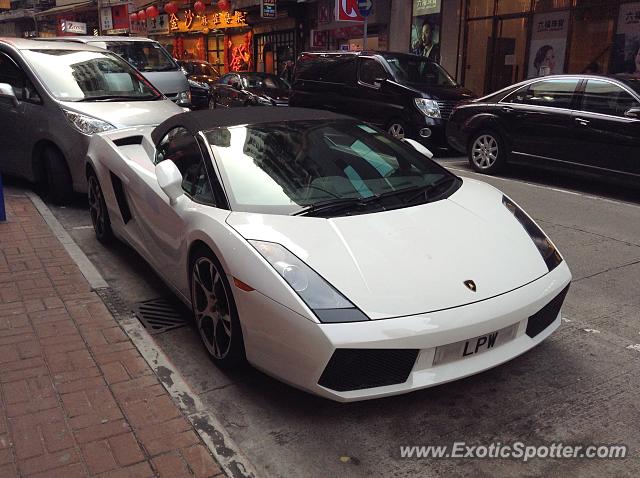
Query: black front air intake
(354, 369)
(545, 316)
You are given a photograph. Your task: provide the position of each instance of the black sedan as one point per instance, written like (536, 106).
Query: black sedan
(250, 89)
(586, 123)
(202, 76)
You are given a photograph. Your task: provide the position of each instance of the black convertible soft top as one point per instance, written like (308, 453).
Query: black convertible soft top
(204, 120)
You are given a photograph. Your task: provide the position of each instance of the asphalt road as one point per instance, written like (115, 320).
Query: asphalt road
(581, 386)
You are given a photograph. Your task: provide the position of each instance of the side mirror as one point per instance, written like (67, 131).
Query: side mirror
(6, 91)
(170, 180)
(418, 147)
(236, 85)
(633, 113)
(379, 81)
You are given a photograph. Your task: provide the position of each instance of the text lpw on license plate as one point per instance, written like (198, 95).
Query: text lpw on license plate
(469, 348)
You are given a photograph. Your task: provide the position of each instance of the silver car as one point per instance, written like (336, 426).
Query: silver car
(54, 96)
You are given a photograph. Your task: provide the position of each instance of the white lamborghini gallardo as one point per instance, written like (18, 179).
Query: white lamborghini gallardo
(326, 253)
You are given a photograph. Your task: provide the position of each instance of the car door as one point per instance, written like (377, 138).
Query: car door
(371, 101)
(539, 119)
(609, 140)
(163, 225)
(15, 130)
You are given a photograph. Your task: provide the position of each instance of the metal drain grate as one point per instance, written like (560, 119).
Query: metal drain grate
(159, 315)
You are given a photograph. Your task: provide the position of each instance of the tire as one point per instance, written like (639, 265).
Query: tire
(57, 176)
(486, 152)
(397, 128)
(98, 210)
(214, 310)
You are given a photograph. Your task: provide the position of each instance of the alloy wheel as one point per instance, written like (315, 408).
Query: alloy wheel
(396, 130)
(484, 151)
(96, 209)
(211, 307)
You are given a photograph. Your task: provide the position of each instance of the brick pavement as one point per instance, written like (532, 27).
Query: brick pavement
(76, 397)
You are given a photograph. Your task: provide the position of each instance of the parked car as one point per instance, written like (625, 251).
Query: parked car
(201, 75)
(250, 89)
(54, 96)
(407, 95)
(201, 95)
(148, 57)
(576, 122)
(326, 253)
(201, 71)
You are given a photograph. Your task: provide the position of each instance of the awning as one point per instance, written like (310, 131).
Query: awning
(86, 5)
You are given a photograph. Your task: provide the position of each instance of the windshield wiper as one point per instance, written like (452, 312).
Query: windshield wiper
(331, 204)
(426, 191)
(118, 98)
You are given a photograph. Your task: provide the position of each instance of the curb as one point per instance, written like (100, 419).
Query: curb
(214, 435)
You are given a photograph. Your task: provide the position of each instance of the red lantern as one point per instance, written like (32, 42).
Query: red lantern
(199, 7)
(223, 4)
(142, 16)
(171, 8)
(133, 17)
(152, 12)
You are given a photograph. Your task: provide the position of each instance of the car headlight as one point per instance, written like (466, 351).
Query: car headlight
(198, 84)
(322, 298)
(427, 107)
(546, 248)
(184, 97)
(87, 124)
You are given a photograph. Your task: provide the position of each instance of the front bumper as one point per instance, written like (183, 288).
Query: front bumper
(297, 350)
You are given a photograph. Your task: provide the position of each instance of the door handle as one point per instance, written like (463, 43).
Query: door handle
(507, 109)
(582, 121)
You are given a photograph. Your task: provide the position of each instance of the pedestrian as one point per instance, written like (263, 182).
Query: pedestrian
(287, 72)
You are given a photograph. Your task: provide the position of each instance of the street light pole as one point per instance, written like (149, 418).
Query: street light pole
(366, 24)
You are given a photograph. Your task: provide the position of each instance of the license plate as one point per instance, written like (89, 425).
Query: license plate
(472, 347)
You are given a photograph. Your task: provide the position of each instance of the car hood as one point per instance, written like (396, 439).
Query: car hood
(123, 114)
(455, 93)
(412, 260)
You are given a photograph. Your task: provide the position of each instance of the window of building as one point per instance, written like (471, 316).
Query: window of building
(592, 39)
(513, 6)
(606, 98)
(481, 8)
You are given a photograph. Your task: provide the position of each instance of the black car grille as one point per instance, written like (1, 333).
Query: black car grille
(354, 369)
(545, 316)
(446, 107)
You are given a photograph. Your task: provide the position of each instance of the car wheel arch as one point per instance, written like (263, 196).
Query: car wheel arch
(37, 157)
(485, 121)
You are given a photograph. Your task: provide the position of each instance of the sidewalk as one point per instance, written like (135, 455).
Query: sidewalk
(76, 396)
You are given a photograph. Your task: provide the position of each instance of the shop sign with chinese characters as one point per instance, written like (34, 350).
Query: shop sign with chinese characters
(190, 21)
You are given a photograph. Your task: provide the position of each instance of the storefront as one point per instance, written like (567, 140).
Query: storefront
(222, 38)
(510, 40)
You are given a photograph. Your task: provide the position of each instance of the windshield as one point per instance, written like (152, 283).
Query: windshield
(144, 55)
(281, 168)
(413, 69)
(264, 81)
(204, 69)
(79, 75)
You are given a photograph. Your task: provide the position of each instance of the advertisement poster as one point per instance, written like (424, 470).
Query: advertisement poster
(548, 44)
(425, 36)
(425, 7)
(626, 54)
